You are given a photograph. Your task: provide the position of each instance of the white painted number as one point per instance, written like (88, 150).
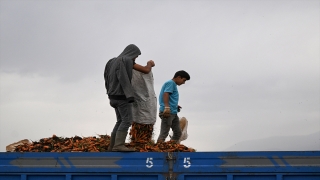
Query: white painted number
(186, 162)
(149, 162)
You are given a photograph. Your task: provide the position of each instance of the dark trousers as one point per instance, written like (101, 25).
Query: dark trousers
(124, 115)
(171, 122)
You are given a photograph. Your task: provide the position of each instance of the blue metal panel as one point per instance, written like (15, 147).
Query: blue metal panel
(249, 176)
(83, 162)
(46, 177)
(10, 177)
(254, 177)
(301, 177)
(180, 166)
(91, 177)
(204, 177)
(248, 162)
(138, 177)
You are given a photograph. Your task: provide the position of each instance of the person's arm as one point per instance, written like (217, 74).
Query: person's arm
(166, 99)
(166, 111)
(144, 69)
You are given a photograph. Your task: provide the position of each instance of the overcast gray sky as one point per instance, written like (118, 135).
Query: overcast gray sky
(254, 66)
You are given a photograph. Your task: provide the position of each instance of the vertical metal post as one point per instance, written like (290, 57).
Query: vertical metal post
(279, 176)
(229, 177)
(23, 177)
(68, 176)
(114, 177)
(171, 160)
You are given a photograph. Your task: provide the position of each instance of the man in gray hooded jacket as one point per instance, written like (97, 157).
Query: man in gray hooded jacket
(118, 75)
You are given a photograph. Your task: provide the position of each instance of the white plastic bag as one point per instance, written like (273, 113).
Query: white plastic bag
(184, 127)
(145, 106)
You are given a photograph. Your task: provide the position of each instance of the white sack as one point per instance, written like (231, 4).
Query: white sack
(184, 127)
(12, 147)
(145, 106)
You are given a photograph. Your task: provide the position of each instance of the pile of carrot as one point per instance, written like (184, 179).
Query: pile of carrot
(97, 144)
(141, 133)
(169, 146)
(73, 144)
(141, 141)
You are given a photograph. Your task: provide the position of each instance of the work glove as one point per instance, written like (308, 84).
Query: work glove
(166, 112)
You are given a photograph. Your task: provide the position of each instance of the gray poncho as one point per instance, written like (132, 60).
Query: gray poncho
(118, 74)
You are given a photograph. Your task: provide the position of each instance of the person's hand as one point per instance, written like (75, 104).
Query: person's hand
(151, 63)
(166, 112)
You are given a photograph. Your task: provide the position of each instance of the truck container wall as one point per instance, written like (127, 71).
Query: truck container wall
(272, 165)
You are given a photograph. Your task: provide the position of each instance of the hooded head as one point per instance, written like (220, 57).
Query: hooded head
(130, 52)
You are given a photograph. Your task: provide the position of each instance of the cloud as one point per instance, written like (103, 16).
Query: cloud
(308, 142)
(34, 107)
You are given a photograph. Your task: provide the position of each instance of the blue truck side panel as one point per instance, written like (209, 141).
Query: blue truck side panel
(272, 165)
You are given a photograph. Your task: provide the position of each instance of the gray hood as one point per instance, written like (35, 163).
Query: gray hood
(130, 52)
(118, 74)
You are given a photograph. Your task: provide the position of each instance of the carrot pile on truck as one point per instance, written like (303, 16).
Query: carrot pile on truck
(96, 144)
